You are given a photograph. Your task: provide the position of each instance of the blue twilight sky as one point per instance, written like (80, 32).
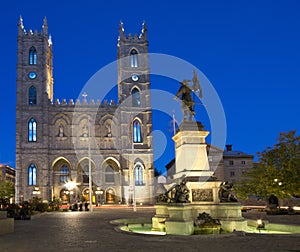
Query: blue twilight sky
(249, 50)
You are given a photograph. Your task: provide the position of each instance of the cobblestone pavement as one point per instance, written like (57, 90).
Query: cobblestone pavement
(85, 231)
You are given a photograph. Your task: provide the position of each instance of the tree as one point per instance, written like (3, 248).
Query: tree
(7, 191)
(277, 171)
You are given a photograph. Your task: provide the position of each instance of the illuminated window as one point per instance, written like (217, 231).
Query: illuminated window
(64, 174)
(32, 56)
(137, 136)
(138, 174)
(32, 95)
(32, 130)
(136, 101)
(109, 174)
(133, 58)
(32, 175)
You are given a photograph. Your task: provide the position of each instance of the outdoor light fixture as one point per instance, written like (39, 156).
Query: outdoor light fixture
(260, 224)
(36, 190)
(70, 185)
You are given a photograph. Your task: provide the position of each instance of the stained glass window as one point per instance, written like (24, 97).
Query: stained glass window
(32, 175)
(32, 130)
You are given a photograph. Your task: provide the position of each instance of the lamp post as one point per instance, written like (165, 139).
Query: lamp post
(89, 155)
(133, 174)
(90, 168)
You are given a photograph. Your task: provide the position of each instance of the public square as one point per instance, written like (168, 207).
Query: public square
(86, 231)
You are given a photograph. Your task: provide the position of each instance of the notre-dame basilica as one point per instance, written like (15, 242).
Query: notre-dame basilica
(115, 152)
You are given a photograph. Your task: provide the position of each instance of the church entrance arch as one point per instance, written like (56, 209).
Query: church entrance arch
(110, 196)
(86, 195)
(65, 196)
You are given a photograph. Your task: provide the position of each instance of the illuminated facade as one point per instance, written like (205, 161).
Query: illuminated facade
(46, 159)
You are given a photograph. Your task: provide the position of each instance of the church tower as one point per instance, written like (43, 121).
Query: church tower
(34, 96)
(135, 112)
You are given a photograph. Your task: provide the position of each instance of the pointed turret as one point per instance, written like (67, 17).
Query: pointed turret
(45, 26)
(121, 31)
(21, 26)
(144, 31)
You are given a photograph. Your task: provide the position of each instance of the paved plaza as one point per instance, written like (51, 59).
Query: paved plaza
(85, 231)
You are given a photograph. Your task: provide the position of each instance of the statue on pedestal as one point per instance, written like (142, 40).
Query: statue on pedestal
(185, 94)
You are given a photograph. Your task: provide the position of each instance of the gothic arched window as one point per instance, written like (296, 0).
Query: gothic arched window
(32, 56)
(109, 174)
(32, 95)
(32, 175)
(133, 58)
(64, 174)
(32, 130)
(137, 135)
(138, 174)
(136, 99)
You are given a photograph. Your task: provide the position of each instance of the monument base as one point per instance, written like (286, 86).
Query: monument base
(179, 218)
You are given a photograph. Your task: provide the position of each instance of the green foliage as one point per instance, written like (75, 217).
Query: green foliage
(55, 204)
(37, 205)
(277, 171)
(7, 191)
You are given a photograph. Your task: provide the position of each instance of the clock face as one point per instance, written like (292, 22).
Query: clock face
(32, 75)
(135, 77)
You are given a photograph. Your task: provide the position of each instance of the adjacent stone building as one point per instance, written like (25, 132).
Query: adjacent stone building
(236, 163)
(7, 173)
(59, 142)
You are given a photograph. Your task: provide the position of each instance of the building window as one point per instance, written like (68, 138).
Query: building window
(64, 174)
(32, 175)
(137, 136)
(231, 162)
(32, 130)
(133, 58)
(109, 175)
(138, 174)
(136, 99)
(243, 162)
(85, 175)
(32, 56)
(32, 95)
(232, 174)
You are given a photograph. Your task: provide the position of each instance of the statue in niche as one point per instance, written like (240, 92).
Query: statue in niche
(185, 94)
(226, 193)
(108, 128)
(85, 131)
(61, 131)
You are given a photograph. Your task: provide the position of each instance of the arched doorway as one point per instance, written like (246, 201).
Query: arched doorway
(65, 196)
(86, 195)
(110, 196)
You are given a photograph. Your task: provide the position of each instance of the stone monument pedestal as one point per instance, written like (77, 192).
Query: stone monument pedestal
(203, 191)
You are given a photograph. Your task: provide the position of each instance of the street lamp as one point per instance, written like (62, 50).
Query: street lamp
(89, 154)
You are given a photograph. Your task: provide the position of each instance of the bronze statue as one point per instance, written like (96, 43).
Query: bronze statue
(226, 193)
(178, 193)
(188, 103)
(185, 91)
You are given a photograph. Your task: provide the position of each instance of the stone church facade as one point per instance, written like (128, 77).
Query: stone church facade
(57, 142)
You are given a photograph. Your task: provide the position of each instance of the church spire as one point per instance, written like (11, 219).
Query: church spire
(45, 26)
(20, 26)
(144, 30)
(121, 31)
